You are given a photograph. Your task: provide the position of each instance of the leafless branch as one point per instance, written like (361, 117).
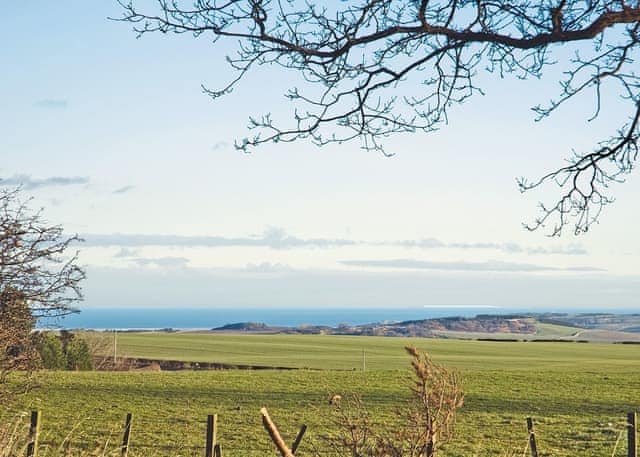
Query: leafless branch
(35, 259)
(367, 56)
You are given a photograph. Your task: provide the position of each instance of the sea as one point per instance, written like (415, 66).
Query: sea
(190, 318)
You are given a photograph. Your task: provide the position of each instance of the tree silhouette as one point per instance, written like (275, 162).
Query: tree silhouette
(35, 262)
(358, 58)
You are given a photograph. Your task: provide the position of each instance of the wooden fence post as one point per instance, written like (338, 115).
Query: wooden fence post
(212, 422)
(632, 434)
(296, 443)
(34, 431)
(274, 434)
(126, 435)
(429, 451)
(532, 438)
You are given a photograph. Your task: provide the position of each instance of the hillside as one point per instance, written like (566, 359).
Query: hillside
(595, 321)
(531, 326)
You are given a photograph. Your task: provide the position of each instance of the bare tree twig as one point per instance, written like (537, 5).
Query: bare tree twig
(366, 56)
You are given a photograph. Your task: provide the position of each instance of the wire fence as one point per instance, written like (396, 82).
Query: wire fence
(153, 434)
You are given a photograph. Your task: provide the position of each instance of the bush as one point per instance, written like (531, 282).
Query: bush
(63, 351)
(421, 428)
(16, 321)
(50, 348)
(78, 355)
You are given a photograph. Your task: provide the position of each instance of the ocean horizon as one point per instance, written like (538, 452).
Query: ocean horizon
(192, 318)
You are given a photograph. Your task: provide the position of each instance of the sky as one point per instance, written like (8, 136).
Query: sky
(113, 137)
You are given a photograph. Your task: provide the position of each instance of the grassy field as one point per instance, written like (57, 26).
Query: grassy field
(578, 394)
(381, 353)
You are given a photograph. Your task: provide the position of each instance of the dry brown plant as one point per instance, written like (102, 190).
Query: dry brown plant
(421, 428)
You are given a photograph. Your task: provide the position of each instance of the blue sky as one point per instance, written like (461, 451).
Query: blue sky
(114, 138)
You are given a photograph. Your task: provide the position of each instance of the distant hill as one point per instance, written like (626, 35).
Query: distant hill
(595, 321)
(436, 327)
(527, 326)
(247, 327)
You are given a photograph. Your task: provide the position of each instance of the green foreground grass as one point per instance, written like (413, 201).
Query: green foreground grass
(578, 394)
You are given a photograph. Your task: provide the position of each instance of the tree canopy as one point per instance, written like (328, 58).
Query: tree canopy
(356, 55)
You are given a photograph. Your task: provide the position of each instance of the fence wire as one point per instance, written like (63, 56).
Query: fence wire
(175, 435)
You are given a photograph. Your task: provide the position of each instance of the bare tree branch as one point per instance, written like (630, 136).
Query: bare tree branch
(35, 260)
(360, 58)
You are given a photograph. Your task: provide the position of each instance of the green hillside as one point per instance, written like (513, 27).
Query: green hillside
(346, 352)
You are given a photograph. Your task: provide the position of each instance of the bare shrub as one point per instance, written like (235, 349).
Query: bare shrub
(422, 426)
(101, 349)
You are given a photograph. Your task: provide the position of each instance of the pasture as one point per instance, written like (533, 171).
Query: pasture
(578, 394)
(381, 353)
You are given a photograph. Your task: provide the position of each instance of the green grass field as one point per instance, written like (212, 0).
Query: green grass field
(381, 353)
(578, 394)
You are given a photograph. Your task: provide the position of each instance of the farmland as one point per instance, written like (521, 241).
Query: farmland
(345, 352)
(576, 393)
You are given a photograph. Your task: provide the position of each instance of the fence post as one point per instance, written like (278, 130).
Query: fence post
(212, 422)
(125, 436)
(631, 434)
(34, 431)
(275, 434)
(296, 443)
(532, 438)
(429, 451)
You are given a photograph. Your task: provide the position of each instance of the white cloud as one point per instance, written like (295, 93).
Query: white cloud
(125, 252)
(277, 238)
(51, 103)
(27, 182)
(123, 190)
(268, 267)
(162, 262)
(273, 238)
(490, 265)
